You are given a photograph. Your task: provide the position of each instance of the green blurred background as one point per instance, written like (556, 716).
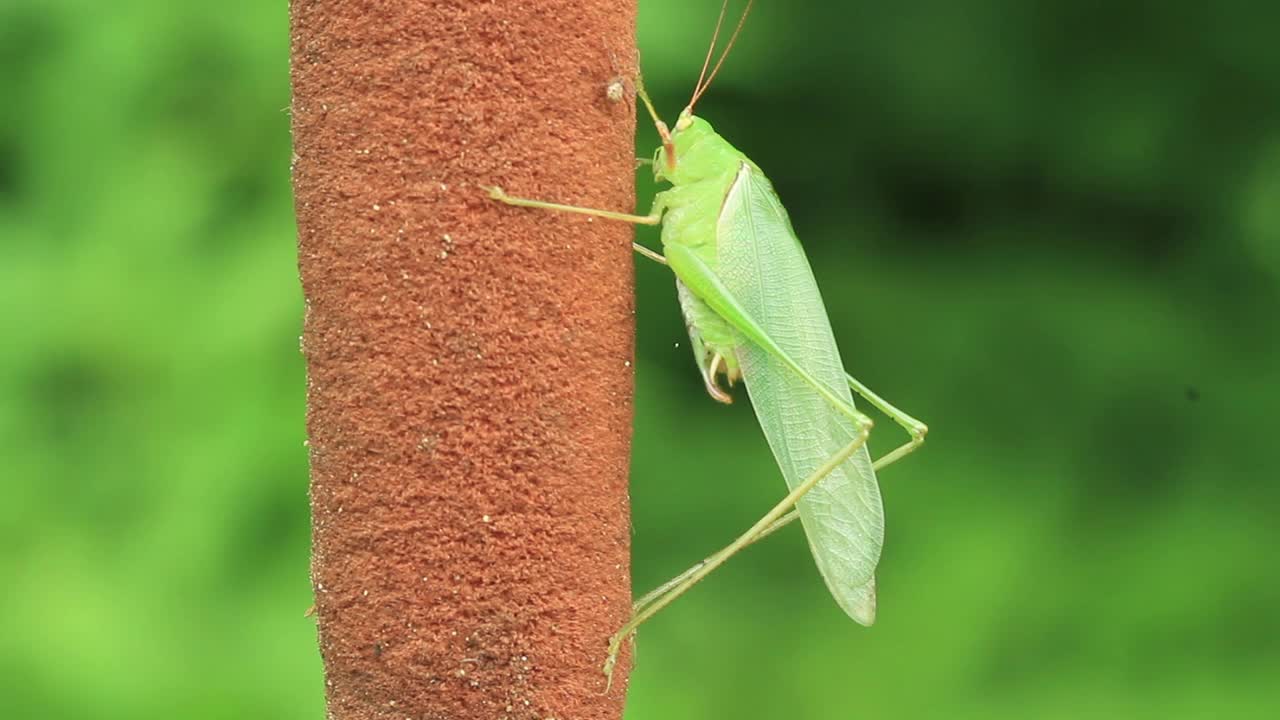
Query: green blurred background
(1051, 230)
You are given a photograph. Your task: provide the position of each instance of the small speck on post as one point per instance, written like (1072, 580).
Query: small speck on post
(616, 90)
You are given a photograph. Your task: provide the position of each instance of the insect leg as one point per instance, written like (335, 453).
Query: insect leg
(916, 429)
(653, 218)
(762, 527)
(777, 525)
(654, 256)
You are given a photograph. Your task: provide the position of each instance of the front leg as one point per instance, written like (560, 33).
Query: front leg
(653, 218)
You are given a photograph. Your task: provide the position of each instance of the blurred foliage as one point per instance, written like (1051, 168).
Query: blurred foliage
(1051, 230)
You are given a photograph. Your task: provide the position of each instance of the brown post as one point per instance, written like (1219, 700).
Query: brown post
(469, 363)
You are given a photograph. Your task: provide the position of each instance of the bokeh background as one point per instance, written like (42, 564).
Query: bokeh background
(1050, 229)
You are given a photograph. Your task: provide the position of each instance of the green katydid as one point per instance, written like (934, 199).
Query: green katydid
(754, 312)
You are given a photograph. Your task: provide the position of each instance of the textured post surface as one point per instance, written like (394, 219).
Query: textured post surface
(469, 375)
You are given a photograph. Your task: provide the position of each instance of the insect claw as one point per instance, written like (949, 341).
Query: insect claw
(615, 647)
(717, 394)
(608, 674)
(717, 365)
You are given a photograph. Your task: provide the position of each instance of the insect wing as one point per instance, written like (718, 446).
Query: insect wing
(762, 265)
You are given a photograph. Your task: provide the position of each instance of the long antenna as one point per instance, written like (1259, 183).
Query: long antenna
(663, 131)
(711, 48)
(702, 87)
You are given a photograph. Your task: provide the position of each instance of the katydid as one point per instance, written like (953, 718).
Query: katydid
(754, 312)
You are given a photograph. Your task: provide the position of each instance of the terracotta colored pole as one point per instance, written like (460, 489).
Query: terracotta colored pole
(469, 364)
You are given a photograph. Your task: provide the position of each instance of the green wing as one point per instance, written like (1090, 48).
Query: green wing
(766, 290)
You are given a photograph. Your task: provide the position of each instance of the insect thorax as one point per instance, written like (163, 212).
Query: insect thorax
(706, 165)
(701, 154)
